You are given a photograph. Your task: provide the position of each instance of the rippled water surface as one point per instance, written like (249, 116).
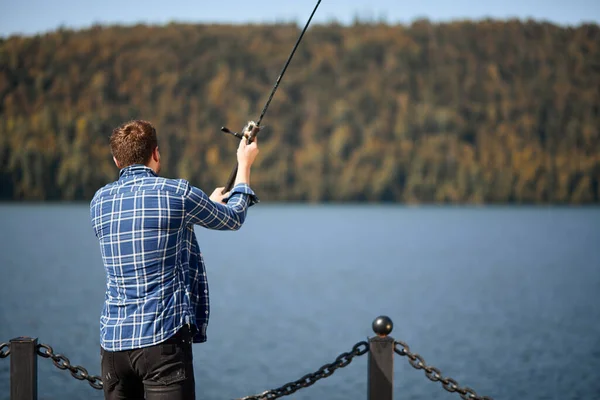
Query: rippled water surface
(504, 300)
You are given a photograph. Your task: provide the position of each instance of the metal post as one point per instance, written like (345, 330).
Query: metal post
(23, 368)
(381, 361)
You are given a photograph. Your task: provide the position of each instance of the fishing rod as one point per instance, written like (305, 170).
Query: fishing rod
(252, 128)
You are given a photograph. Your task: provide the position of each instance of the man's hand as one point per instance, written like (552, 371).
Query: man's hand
(246, 153)
(217, 196)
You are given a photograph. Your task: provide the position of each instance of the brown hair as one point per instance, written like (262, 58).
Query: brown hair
(133, 143)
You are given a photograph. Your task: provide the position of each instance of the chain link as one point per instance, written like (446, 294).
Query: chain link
(62, 362)
(3, 353)
(307, 380)
(434, 374)
(359, 349)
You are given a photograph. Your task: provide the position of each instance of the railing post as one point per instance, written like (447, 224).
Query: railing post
(381, 361)
(23, 368)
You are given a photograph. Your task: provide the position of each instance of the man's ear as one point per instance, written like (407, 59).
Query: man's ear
(116, 162)
(156, 154)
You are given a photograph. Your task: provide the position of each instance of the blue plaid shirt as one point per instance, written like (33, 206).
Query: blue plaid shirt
(155, 276)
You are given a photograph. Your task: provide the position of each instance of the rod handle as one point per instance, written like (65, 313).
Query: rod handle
(250, 132)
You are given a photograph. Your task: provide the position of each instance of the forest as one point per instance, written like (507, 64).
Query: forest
(464, 112)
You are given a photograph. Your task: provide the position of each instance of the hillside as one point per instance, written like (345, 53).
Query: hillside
(463, 112)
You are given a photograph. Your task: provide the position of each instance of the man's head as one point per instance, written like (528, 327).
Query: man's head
(135, 142)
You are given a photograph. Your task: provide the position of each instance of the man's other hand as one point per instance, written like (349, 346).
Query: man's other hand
(218, 197)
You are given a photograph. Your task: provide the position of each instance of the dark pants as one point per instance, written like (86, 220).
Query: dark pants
(159, 372)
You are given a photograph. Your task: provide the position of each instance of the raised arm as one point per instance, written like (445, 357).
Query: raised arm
(201, 210)
(216, 213)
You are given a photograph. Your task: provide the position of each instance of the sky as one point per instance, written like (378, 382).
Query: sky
(29, 17)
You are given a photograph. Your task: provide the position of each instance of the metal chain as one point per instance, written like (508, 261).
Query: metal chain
(3, 353)
(62, 362)
(307, 380)
(434, 374)
(360, 348)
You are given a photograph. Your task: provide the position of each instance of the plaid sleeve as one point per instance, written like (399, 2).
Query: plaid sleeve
(201, 210)
(243, 188)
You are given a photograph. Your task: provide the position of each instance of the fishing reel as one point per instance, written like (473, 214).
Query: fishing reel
(250, 131)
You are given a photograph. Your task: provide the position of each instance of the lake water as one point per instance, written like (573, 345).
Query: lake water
(504, 300)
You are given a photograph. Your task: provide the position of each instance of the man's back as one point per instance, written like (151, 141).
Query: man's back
(139, 216)
(156, 280)
(139, 221)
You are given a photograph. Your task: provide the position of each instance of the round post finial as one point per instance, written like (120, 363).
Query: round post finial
(383, 325)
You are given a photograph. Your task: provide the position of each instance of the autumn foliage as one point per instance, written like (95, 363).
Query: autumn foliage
(463, 112)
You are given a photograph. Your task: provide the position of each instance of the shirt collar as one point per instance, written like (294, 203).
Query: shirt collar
(136, 170)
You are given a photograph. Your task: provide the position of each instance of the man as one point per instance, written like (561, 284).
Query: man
(156, 303)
